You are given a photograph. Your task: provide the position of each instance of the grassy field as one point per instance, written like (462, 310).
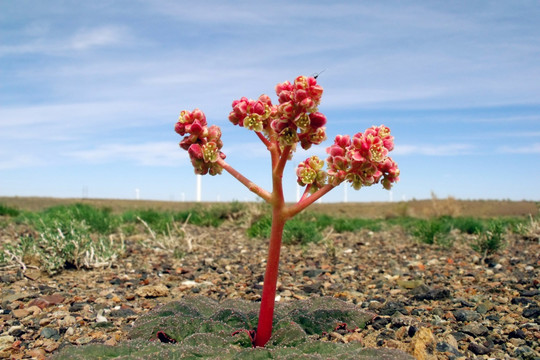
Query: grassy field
(413, 208)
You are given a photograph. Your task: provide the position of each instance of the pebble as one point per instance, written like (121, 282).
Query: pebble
(6, 341)
(466, 315)
(531, 312)
(153, 291)
(445, 347)
(478, 349)
(391, 307)
(431, 294)
(475, 329)
(49, 333)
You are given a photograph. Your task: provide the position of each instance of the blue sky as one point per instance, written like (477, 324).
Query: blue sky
(90, 92)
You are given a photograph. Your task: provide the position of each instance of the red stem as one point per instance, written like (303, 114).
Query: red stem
(263, 139)
(266, 312)
(248, 183)
(305, 202)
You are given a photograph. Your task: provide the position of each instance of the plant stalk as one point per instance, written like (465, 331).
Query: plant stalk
(266, 312)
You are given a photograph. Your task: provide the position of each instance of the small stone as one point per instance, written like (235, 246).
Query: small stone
(521, 301)
(37, 353)
(422, 340)
(83, 340)
(531, 312)
(70, 331)
(122, 313)
(518, 334)
(77, 306)
(21, 313)
(380, 322)
(478, 349)
(525, 352)
(447, 348)
(475, 329)
(313, 272)
(54, 299)
(433, 294)
(152, 291)
(466, 315)
(391, 307)
(484, 307)
(49, 333)
(16, 331)
(45, 321)
(6, 341)
(312, 288)
(67, 321)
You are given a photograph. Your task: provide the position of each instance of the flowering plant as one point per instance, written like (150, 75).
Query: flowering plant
(360, 161)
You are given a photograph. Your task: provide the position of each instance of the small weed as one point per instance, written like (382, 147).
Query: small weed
(8, 211)
(468, 225)
(59, 248)
(492, 239)
(433, 231)
(101, 221)
(301, 232)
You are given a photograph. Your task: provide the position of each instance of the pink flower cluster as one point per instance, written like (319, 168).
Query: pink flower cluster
(364, 160)
(310, 173)
(203, 143)
(294, 120)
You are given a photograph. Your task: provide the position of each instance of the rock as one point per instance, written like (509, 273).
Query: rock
(122, 313)
(531, 312)
(421, 342)
(67, 321)
(6, 341)
(40, 302)
(312, 288)
(522, 301)
(16, 331)
(77, 306)
(49, 333)
(525, 352)
(475, 329)
(83, 340)
(391, 307)
(54, 299)
(152, 291)
(21, 313)
(466, 315)
(432, 294)
(37, 353)
(410, 284)
(530, 293)
(478, 349)
(484, 307)
(517, 334)
(313, 272)
(447, 348)
(380, 322)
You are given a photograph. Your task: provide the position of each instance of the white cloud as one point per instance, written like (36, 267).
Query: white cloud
(532, 149)
(148, 154)
(83, 39)
(97, 37)
(433, 150)
(19, 161)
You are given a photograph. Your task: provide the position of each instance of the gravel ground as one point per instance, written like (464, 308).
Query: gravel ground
(434, 302)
